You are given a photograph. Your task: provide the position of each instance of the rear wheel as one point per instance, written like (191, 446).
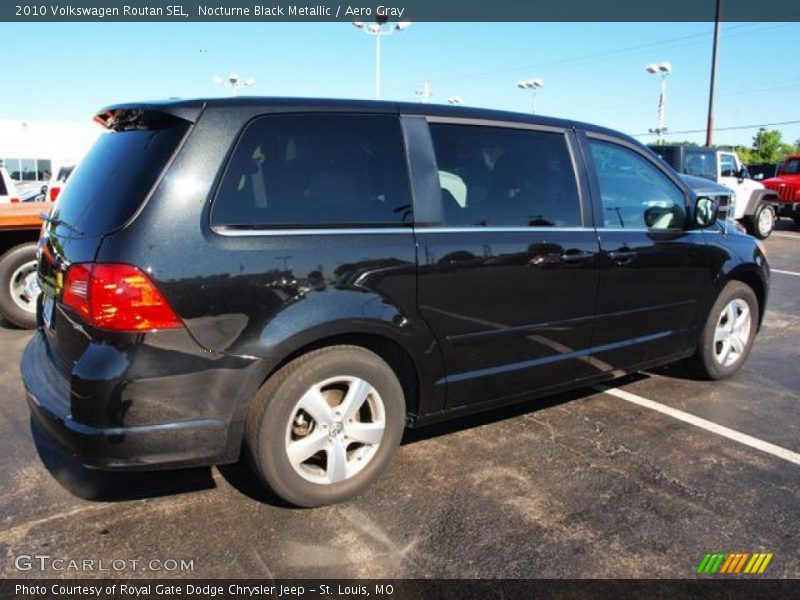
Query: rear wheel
(325, 426)
(763, 221)
(728, 333)
(19, 286)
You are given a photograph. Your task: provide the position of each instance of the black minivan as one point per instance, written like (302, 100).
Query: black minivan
(303, 279)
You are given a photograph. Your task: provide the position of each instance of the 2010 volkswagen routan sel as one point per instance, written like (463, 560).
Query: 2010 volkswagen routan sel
(303, 279)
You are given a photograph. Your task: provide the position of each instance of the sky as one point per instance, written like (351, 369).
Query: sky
(592, 71)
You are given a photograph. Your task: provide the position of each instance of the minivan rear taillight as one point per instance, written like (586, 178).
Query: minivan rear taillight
(117, 297)
(54, 192)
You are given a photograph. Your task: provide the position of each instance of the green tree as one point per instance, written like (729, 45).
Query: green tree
(679, 143)
(768, 146)
(746, 155)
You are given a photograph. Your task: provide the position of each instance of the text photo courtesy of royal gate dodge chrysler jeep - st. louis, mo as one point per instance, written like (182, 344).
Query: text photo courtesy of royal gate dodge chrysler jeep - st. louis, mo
(399, 301)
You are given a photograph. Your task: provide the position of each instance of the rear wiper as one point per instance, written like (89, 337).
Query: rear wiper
(55, 222)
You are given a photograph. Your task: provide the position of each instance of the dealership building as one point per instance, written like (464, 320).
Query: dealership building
(31, 150)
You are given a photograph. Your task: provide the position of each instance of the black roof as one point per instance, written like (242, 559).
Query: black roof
(190, 109)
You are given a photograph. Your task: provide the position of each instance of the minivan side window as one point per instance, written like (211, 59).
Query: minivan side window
(634, 193)
(316, 171)
(505, 177)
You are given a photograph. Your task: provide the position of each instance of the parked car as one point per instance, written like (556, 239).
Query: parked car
(8, 191)
(32, 195)
(786, 184)
(19, 285)
(722, 196)
(303, 279)
(59, 179)
(754, 206)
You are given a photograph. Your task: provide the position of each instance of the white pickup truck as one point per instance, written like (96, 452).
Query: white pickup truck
(755, 206)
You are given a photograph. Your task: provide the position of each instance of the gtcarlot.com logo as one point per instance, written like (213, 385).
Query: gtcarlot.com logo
(734, 563)
(45, 562)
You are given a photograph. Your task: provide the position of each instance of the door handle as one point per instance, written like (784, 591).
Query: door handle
(623, 256)
(570, 257)
(576, 256)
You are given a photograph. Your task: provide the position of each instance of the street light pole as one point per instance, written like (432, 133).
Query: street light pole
(712, 88)
(534, 85)
(662, 70)
(424, 92)
(378, 29)
(377, 67)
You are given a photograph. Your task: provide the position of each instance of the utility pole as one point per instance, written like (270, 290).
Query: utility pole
(710, 122)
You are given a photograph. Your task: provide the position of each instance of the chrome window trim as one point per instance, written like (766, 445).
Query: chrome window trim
(600, 230)
(438, 229)
(233, 232)
(496, 124)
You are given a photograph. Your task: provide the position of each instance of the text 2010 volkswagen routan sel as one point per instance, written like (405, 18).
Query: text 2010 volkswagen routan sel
(303, 279)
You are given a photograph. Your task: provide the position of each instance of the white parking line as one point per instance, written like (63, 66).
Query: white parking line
(731, 434)
(785, 272)
(786, 235)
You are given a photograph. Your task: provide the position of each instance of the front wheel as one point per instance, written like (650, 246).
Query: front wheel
(763, 221)
(19, 286)
(728, 333)
(325, 426)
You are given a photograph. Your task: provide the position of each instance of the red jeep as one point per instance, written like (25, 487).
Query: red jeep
(787, 184)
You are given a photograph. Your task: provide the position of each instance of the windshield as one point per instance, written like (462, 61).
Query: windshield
(701, 164)
(64, 173)
(792, 167)
(114, 178)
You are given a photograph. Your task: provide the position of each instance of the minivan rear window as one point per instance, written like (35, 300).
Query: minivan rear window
(114, 178)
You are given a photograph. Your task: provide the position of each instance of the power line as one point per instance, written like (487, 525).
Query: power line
(580, 60)
(731, 128)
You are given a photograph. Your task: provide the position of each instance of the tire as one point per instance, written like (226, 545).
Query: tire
(710, 360)
(278, 420)
(762, 222)
(18, 301)
(797, 222)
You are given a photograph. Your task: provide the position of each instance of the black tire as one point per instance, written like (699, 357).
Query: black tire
(274, 407)
(12, 260)
(704, 363)
(759, 231)
(797, 222)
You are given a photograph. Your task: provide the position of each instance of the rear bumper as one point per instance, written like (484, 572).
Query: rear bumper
(175, 443)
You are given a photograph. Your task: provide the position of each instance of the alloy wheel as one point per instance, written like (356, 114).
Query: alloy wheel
(732, 332)
(335, 430)
(766, 221)
(25, 286)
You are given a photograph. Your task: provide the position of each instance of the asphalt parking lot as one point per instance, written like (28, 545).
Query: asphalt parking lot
(589, 484)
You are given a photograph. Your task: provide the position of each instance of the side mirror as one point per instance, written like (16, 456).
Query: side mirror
(742, 174)
(44, 189)
(705, 211)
